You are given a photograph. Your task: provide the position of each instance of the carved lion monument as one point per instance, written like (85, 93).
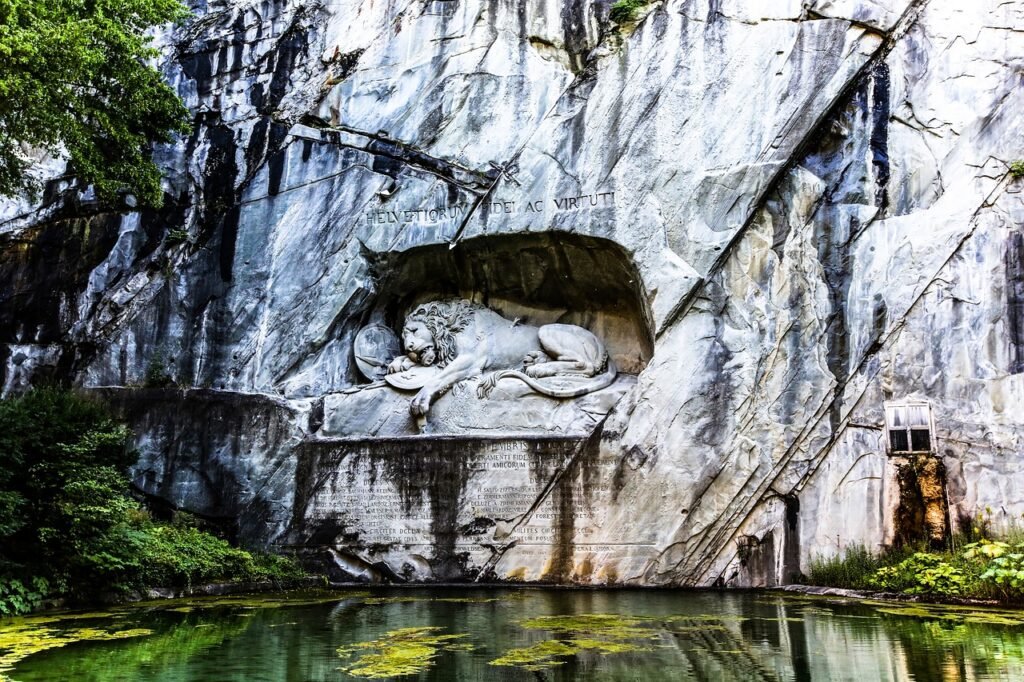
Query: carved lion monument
(466, 340)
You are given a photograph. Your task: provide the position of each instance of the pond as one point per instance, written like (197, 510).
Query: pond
(515, 634)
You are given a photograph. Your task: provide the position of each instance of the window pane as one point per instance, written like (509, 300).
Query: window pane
(898, 440)
(918, 415)
(920, 440)
(897, 417)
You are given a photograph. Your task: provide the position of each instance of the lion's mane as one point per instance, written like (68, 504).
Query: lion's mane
(444, 319)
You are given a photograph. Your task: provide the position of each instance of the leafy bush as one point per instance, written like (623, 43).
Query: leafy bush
(157, 373)
(175, 237)
(1007, 574)
(625, 11)
(1003, 567)
(172, 555)
(985, 549)
(1017, 169)
(903, 576)
(983, 569)
(918, 573)
(941, 579)
(277, 567)
(100, 531)
(921, 573)
(16, 597)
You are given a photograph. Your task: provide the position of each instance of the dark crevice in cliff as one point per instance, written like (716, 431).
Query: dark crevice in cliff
(880, 112)
(574, 34)
(47, 267)
(757, 560)
(44, 269)
(219, 213)
(211, 57)
(791, 540)
(840, 157)
(1015, 299)
(291, 47)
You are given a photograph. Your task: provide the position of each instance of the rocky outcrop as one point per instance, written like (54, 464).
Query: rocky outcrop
(776, 218)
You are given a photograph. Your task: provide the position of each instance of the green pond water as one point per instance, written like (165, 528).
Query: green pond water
(510, 634)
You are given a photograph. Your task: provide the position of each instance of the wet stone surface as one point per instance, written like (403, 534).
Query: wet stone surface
(457, 504)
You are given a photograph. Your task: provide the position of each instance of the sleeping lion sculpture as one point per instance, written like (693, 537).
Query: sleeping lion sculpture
(466, 340)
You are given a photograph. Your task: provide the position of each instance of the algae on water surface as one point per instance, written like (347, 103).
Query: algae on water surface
(24, 636)
(400, 652)
(20, 640)
(596, 632)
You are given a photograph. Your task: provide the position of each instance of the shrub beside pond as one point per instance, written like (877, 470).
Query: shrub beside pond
(983, 569)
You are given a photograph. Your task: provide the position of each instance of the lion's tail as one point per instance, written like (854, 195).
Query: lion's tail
(575, 390)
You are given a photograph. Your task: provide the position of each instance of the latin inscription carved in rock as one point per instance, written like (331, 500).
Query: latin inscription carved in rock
(439, 214)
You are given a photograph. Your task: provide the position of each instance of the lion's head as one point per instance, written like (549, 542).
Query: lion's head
(429, 332)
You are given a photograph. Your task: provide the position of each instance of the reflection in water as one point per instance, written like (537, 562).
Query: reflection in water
(519, 635)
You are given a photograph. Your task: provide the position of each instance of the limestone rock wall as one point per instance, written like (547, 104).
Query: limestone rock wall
(813, 202)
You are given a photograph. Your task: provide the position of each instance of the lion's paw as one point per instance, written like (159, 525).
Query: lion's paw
(486, 385)
(541, 371)
(420, 405)
(535, 357)
(399, 364)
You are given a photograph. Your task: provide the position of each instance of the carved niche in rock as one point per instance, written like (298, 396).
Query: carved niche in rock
(449, 341)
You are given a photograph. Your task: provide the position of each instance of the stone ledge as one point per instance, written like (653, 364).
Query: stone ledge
(821, 591)
(381, 412)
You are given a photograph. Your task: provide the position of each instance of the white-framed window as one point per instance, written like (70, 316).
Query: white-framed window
(909, 426)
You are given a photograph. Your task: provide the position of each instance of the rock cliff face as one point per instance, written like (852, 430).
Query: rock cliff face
(776, 219)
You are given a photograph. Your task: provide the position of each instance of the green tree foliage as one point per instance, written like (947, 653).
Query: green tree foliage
(74, 76)
(58, 450)
(68, 524)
